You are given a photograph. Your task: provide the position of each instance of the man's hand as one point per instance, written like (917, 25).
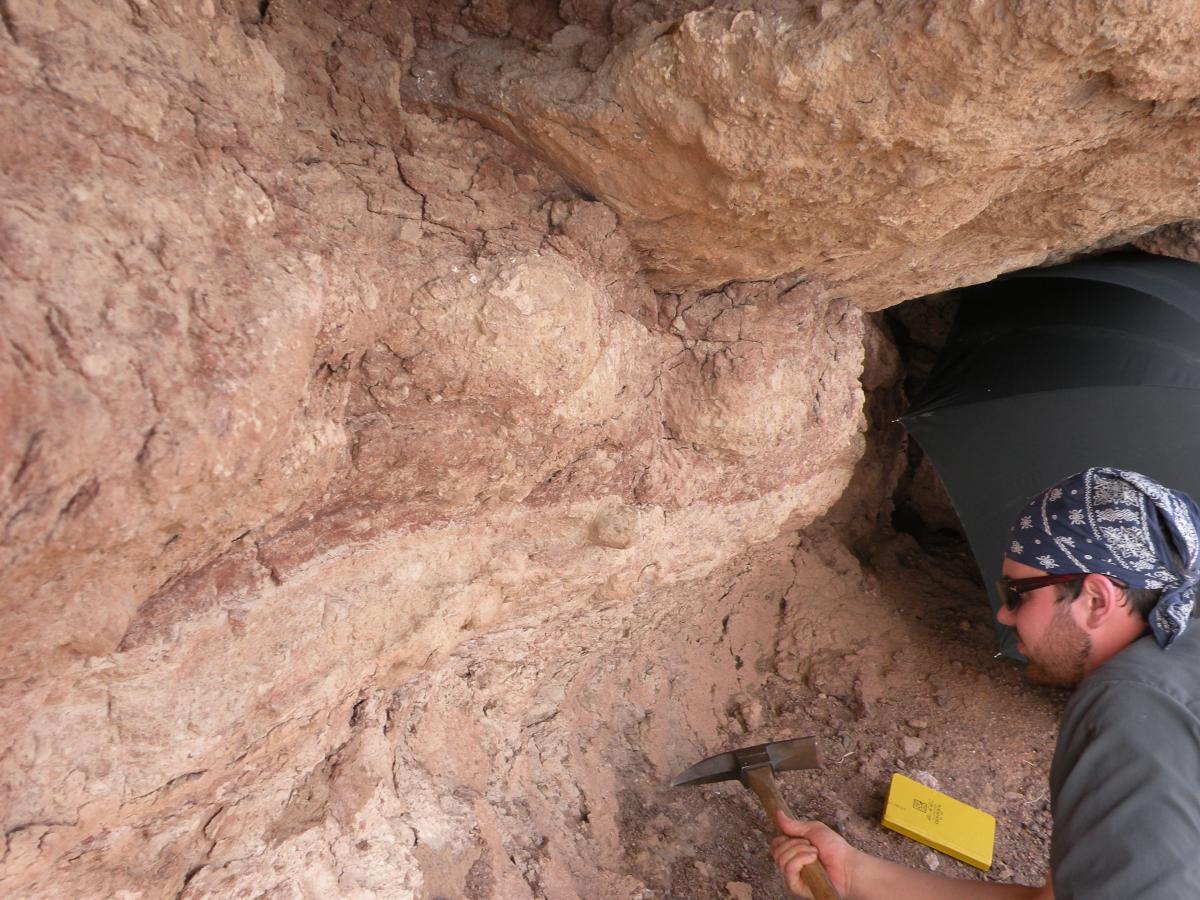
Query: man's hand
(802, 843)
(860, 876)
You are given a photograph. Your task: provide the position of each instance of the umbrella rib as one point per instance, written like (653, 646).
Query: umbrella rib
(964, 404)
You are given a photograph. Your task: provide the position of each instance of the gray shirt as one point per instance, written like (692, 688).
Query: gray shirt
(1125, 781)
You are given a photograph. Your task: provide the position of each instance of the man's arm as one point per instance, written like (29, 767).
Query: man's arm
(878, 879)
(1126, 804)
(861, 876)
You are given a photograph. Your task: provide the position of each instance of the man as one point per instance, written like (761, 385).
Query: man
(1100, 581)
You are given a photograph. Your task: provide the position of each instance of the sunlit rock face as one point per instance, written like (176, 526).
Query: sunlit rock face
(390, 439)
(928, 143)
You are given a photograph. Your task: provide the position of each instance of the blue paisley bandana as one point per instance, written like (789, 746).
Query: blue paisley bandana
(1112, 522)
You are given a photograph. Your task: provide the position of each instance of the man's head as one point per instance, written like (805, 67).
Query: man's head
(1065, 629)
(1125, 554)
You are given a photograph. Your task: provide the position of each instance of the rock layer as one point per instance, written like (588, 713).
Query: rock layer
(934, 143)
(322, 403)
(303, 388)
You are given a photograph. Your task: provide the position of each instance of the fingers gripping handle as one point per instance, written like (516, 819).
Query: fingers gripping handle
(761, 780)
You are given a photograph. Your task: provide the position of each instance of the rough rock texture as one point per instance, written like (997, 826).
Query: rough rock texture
(370, 525)
(934, 143)
(1180, 240)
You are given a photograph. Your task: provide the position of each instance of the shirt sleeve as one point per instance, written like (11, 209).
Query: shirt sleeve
(1126, 796)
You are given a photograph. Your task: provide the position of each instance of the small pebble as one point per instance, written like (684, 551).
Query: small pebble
(911, 746)
(829, 9)
(928, 779)
(841, 821)
(931, 861)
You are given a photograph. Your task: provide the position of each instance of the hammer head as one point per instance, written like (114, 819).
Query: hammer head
(781, 756)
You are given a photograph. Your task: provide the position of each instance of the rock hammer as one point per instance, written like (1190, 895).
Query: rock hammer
(755, 768)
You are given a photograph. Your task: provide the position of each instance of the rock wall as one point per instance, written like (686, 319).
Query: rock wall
(857, 141)
(324, 397)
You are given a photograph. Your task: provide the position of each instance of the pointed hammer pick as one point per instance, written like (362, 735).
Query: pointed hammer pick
(755, 768)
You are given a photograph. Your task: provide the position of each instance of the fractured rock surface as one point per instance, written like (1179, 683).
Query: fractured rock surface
(937, 143)
(370, 524)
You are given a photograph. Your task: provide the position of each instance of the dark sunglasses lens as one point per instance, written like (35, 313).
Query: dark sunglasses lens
(1014, 597)
(1010, 598)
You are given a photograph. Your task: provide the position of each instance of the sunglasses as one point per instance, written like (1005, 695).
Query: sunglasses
(1012, 590)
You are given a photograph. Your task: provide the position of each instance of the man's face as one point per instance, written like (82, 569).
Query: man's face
(1047, 634)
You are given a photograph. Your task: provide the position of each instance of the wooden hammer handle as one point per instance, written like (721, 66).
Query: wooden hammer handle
(761, 780)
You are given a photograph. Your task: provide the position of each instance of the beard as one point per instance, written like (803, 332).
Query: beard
(1060, 658)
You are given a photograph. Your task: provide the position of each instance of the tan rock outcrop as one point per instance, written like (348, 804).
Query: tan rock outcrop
(370, 526)
(866, 143)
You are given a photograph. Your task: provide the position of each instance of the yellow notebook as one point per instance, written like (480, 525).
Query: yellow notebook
(940, 822)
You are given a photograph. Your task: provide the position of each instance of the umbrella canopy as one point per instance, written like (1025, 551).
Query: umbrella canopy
(1049, 371)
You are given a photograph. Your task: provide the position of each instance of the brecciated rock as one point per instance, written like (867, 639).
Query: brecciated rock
(342, 437)
(305, 386)
(615, 527)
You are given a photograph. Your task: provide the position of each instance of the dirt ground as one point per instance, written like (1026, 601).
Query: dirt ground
(896, 673)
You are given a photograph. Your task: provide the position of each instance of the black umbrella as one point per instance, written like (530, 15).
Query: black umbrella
(1049, 371)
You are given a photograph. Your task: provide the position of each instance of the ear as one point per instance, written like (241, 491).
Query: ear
(1098, 600)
